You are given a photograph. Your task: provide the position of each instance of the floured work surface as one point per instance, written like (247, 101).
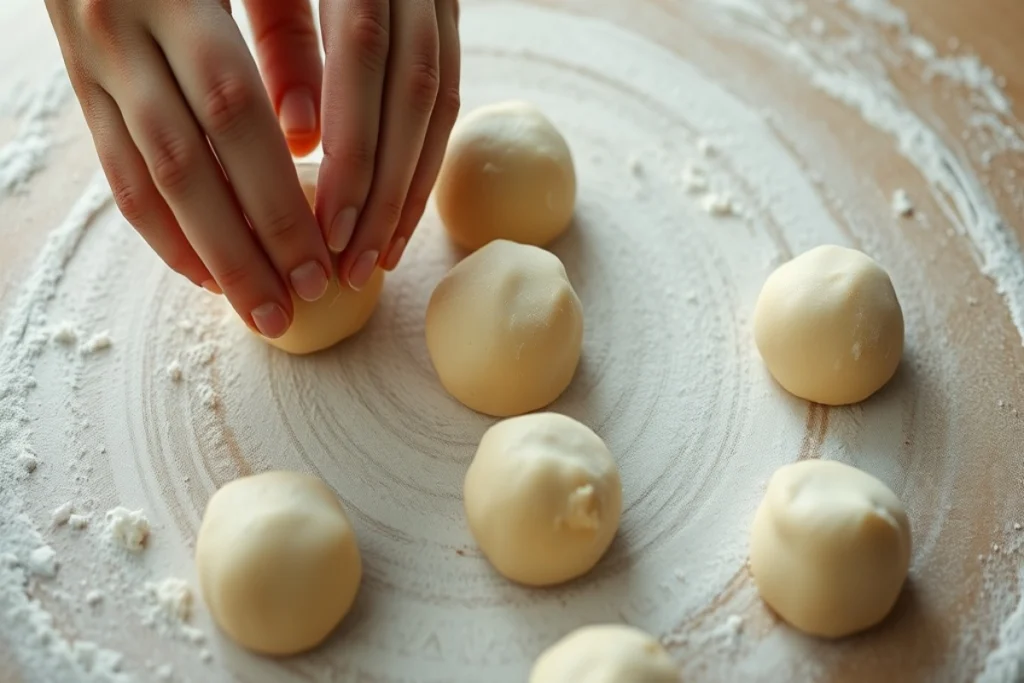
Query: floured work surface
(764, 133)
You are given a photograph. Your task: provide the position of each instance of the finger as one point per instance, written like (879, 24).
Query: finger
(188, 177)
(409, 97)
(288, 50)
(446, 110)
(207, 54)
(134, 192)
(356, 41)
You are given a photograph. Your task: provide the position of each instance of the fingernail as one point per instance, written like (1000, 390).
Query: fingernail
(298, 113)
(395, 254)
(341, 231)
(362, 269)
(309, 281)
(270, 320)
(212, 287)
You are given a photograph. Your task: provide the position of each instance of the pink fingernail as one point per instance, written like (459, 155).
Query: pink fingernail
(395, 253)
(342, 229)
(363, 269)
(309, 281)
(298, 113)
(271, 320)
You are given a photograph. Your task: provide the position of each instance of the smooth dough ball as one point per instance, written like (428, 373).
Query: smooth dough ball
(830, 548)
(507, 174)
(608, 653)
(829, 327)
(340, 313)
(504, 329)
(543, 498)
(278, 562)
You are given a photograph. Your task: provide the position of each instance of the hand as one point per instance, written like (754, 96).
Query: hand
(191, 146)
(390, 99)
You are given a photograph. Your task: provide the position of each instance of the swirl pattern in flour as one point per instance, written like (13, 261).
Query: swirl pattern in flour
(669, 378)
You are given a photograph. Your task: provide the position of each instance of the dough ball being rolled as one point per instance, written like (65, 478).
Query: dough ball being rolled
(507, 174)
(278, 562)
(340, 313)
(830, 548)
(607, 653)
(504, 329)
(543, 498)
(829, 327)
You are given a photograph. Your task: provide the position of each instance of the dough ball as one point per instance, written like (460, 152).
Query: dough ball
(830, 548)
(505, 328)
(829, 327)
(278, 562)
(507, 174)
(340, 313)
(543, 498)
(608, 653)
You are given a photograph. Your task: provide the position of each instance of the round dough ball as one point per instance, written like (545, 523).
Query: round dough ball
(278, 562)
(830, 548)
(543, 498)
(340, 313)
(505, 329)
(829, 327)
(608, 653)
(507, 174)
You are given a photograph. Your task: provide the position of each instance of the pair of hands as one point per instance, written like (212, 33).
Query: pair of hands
(198, 153)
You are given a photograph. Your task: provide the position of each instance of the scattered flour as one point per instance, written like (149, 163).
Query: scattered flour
(26, 154)
(65, 334)
(78, 522)
(128, 528)
(175, 373)
(27, 462)
(96, 343)
(694, 179)
(43, 562)
(42, 648)
(718, 204)
(902, 207)
(169, 600)
(62, 514)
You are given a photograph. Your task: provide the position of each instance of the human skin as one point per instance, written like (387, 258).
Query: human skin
(196, 150)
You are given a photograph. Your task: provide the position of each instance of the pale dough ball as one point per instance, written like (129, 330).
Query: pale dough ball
(830, 548)
(829, 327)
(543, 498)
(340, 313)
(607, 653)
(278, 562)
(507, 174)
(505, 328)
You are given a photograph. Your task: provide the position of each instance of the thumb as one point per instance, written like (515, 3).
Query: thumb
(288, 50)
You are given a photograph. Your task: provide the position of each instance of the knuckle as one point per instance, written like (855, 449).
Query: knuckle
(280, 228)
(98, 17)
(449, 102)
(357, 158)
(389, 212)
(226, 105)
(130, 201)
(233, 276)
(369, 37)
(173, 162)
(424, 81)
(289, 27)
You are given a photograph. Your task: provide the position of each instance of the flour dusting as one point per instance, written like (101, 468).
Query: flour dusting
(122, 383)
